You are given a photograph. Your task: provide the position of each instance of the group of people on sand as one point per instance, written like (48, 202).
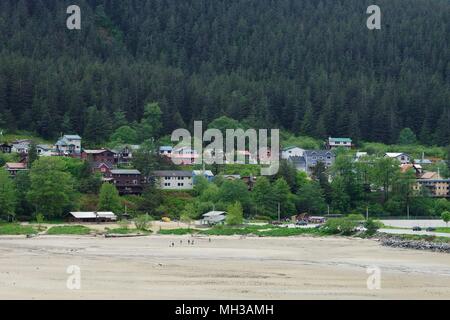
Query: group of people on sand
(189, 242)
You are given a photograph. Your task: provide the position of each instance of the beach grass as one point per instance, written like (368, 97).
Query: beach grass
(16, 229)
(68, 230)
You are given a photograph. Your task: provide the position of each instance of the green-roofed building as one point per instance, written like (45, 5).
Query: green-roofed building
(333, 143)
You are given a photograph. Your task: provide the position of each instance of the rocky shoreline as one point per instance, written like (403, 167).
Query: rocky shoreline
(397, 242)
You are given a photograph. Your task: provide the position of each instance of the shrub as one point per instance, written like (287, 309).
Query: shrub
(344, 226)
(142, 222)
(372, 226)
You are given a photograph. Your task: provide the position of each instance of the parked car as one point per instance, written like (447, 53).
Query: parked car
(431, 229)
(417, 228)
(301, 223)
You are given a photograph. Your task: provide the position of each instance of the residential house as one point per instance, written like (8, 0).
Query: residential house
(21, 146)
(313, 157)
(213, 217)
(15, 167)
(174, 179)
(102, 167)
(45, 150)
(232, 177)
(101, 155)
(127, 181)
(360, 156)
(207, 174)
(165, 150)
(69, 145)
(423, 161)
(5, 148)
(249, 181)
(418, 170)
(292, 152)
(124, 153)
(439, 188)
(333, 143)
(299, 162)
(92, 217)
(402, 157)
(184, 156)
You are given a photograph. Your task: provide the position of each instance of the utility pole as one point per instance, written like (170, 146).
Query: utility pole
(367, 213)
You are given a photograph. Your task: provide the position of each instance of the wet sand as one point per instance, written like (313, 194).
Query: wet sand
(225, 268)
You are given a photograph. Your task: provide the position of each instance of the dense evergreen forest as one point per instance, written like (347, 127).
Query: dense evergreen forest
(307, 66)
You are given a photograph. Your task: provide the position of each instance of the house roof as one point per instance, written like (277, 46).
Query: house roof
(361, 154)
(204, 173)
(297, 159)
(232, 176)
(22, 141)
(44, 146)
(21, 145)
(126, 171)
(93, 215)
(319, 153)
(16, 165)
(172, 173)
(99, 151)
(290, 148)
(429, 175)
(339, 139)
(214, 213)
(72, 137)
(423, 161)
(98, 164)
(394, 154)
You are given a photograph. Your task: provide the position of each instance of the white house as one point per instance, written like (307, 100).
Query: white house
(165, 150)
(402, 157)
(292, 152)
(92, 217)
(69, 144)
(44, 150)
(213, 217)
(174, 179)
(333, 143)
(21, 146)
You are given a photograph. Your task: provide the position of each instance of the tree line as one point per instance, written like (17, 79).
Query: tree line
(310, 67)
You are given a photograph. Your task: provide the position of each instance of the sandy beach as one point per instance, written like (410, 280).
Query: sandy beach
(225, 268)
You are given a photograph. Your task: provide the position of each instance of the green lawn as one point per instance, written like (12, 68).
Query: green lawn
(62, 230)
(444, 230)
(178, 232)
(126, 231)
(16, 229)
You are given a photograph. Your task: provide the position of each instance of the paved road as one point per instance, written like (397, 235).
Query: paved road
(408, 231)
(413, 223)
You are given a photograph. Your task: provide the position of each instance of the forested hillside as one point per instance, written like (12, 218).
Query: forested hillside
(308, 66)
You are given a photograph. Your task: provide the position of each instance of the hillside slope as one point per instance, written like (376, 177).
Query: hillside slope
(308, 66)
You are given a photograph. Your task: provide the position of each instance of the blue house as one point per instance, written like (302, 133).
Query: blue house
(207, 174)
